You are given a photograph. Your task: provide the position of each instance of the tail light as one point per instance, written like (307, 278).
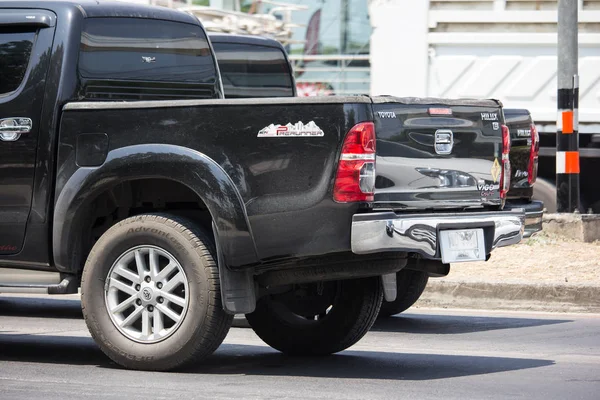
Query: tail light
(505, 163)
(533, 155)
(440, 111)
(355, 178)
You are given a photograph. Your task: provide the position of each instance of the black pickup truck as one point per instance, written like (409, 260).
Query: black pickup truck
(124, 172)
(524, 154)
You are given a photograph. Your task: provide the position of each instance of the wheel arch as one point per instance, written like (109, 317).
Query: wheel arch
(190, 168)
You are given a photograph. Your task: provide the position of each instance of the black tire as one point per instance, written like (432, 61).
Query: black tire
(410, 285)
(203, 326)
(353, 306)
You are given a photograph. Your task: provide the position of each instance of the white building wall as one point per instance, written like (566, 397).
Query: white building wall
(399, 47)
(504, 49)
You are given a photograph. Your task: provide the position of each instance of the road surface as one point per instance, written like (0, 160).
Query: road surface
(46, 353)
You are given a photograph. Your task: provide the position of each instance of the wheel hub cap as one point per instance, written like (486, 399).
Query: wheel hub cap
(147, 294)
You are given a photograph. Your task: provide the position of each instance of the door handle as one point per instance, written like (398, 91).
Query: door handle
(11, 129)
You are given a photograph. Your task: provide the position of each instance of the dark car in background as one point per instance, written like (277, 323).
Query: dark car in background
(525, 147)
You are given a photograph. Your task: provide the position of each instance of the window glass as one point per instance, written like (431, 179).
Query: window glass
(15, 50)
(253, 71)
(144, 49)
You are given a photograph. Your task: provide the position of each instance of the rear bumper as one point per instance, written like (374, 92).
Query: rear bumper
(534, 212)
(419, 233)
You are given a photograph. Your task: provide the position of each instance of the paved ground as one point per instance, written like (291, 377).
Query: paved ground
(430, 354)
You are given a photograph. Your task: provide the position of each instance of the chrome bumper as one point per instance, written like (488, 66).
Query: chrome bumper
(419, 233)
(534, 213)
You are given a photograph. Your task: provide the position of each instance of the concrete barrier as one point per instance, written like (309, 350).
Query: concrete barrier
(580, 227)
(506, 296)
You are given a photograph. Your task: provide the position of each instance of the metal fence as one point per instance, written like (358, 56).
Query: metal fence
(339, 74)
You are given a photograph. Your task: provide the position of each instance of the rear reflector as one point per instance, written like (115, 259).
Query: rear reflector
(505, 164)
(355, 177)
(440, 111)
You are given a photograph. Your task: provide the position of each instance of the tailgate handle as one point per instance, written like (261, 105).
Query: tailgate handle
(444, 141)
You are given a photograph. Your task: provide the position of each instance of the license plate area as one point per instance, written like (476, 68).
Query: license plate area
(462, 245)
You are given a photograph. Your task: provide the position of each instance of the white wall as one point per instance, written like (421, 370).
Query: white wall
(504, 49)
(399, 47)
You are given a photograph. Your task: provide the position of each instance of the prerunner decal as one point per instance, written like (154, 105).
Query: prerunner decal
(297, 130)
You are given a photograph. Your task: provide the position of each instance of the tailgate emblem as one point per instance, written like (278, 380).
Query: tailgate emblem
(386, 114)
(496, 170)
(444, 140)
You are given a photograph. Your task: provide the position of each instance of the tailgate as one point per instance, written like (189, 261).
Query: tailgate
(437, 153)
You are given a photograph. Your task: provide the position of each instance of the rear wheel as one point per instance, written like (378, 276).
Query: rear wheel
(318, 318)
(410, 286)
(151, 295)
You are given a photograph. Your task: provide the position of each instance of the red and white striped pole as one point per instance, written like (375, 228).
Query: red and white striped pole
(567, 135)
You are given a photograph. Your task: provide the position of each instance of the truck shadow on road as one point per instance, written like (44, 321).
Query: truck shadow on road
(263, 361)
(456, 324)
(42, 307)
(231, 359)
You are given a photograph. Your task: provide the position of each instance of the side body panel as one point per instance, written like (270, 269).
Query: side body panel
(284, 183)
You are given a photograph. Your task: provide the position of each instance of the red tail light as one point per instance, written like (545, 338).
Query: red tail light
(440, 111)
(505, 163)
(533, 155)
(355, 178)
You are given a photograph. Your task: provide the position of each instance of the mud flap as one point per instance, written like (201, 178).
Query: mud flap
(238, 292)
(390, 288)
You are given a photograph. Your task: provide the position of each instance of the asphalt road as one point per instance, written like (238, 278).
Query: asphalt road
(46, 353)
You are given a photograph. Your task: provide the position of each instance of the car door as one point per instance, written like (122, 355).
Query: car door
(25, 43)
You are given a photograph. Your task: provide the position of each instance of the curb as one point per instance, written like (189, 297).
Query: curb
(580, 227)
(511, 296)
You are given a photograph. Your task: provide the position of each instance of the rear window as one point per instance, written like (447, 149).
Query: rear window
(253, 71)
(132, 49)
(15, 50)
